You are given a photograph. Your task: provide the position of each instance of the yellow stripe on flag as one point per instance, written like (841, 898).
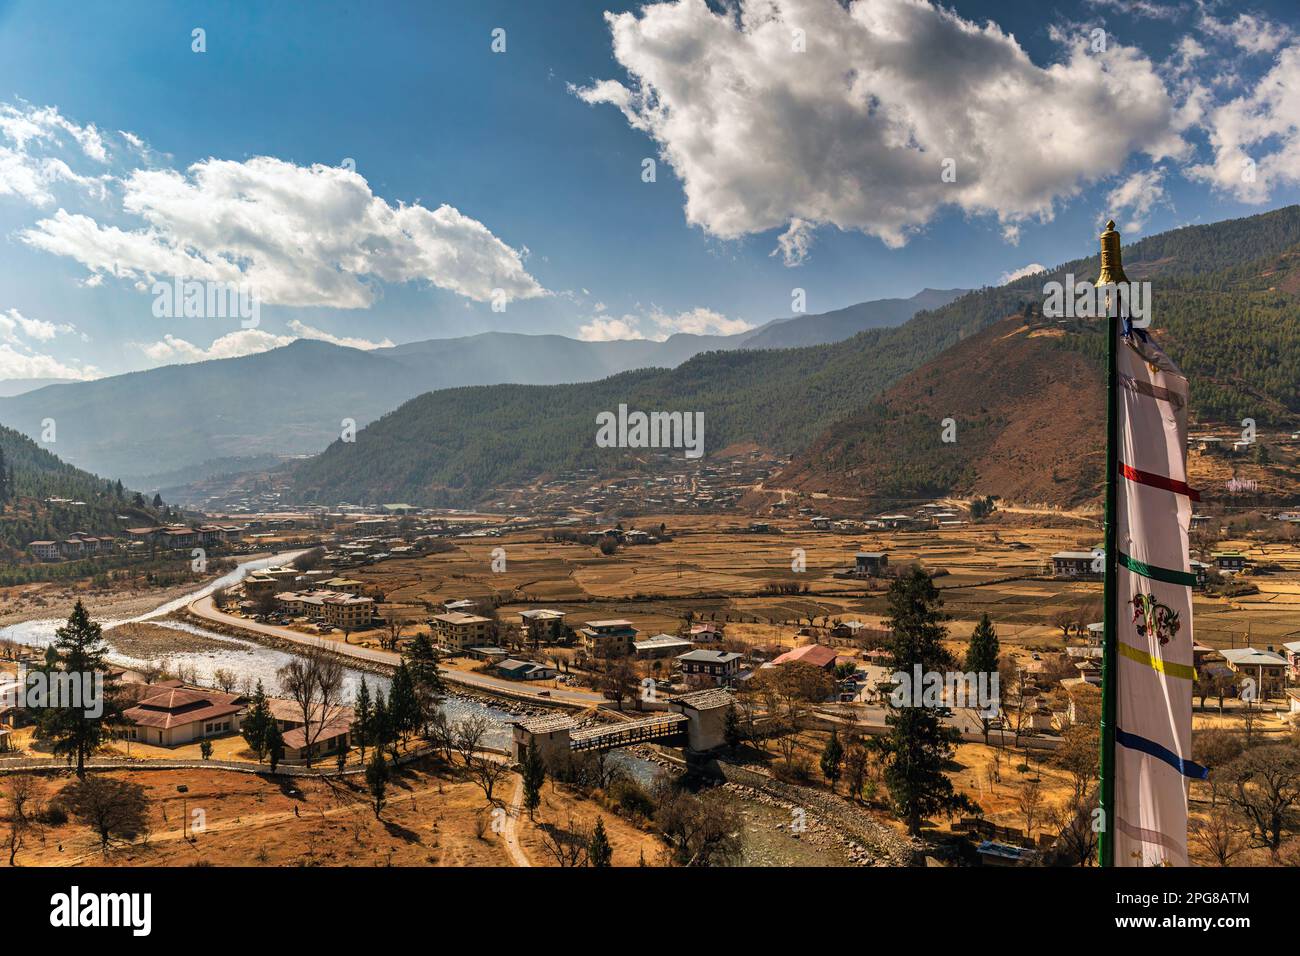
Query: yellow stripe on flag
(1185, 671)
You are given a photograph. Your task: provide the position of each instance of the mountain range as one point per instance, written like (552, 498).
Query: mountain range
(863, 414)
(182, 422)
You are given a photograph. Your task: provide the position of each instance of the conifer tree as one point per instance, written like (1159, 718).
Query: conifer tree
(918, 745)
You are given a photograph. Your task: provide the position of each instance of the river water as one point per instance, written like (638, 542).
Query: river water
(242, 657)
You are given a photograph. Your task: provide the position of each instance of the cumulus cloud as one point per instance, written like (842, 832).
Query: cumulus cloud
(173, 349)
(608, 329)
(301, 235)
(1014, 274)
(1137, 194)
(14, 324)
(854, 131)
(309, 332)
(1256, 137)
(697, 321)
(18, 362)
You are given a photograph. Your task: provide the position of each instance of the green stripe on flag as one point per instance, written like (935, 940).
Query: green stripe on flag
(1155, 573)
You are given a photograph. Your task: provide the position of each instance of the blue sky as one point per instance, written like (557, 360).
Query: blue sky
(776, 167)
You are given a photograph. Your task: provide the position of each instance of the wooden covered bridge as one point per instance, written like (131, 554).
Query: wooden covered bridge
(693, 721)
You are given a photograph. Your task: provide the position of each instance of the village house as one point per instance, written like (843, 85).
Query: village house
(1291, 650)
(818, 655)
(661, 645)
(456, 631)
(1267, 667)
(543, 626)
(1074, 564)
(707, 631)
(45, 550)
(512, 669)
(720, 666)
(170, 714)
(609, 638)
(870, 563)
(1230, 561)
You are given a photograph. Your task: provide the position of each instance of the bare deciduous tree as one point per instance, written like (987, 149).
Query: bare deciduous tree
(314, 681)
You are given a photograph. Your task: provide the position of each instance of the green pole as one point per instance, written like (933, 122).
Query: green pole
(1111, 272)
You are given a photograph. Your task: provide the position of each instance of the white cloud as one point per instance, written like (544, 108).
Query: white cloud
(302, 236)
(308, 332)
(23, 363)
(1256, 138)
(794, 243)
(1250, 33)
(173, 349)
(1013, 275)
(601, 329)
(853, 132)
(1142, 8)
(231, 345)
(697, 321)
(1137, 194)
(13, 324)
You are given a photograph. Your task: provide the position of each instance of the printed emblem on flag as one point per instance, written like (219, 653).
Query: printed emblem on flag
(1152, 617)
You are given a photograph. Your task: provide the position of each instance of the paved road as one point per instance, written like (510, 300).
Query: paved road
(204, 608)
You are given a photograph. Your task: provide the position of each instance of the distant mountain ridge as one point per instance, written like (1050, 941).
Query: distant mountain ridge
(823, 403)
(148, 427)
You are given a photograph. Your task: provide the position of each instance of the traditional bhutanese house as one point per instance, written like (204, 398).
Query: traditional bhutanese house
(661, 645)
(525, 670)
(870, 563)
(456, 631)
(181, 538)
(169, 716)
(608, 638)
(45, 550)
(1073, 564)
(719, 666)
(543, 626)
(1291, 651)
(1202, 572)
(325, 740)
(707, 631)
(1232, 561)
(1267, 667)
(818, 655)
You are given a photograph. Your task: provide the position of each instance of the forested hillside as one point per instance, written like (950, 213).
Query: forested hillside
(83, 502)
(454, 446)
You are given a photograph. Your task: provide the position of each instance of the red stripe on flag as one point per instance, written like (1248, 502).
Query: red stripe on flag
(1158, 481)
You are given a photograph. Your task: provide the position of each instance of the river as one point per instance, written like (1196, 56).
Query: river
(257, 662)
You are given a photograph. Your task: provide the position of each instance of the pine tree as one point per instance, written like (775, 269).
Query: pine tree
(377, 780)
(832, 759)
(983, 651)
(599, 852)
(533, 770)
(75, 727)
(256, 723)
(274, 744)
(429, 686)
(918, 745)
(982, 659)
(157, 501)
(404, 712)
(365, 717)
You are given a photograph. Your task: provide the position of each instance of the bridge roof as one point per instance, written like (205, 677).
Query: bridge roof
(547, 723)
(708, 699)
(665, 720)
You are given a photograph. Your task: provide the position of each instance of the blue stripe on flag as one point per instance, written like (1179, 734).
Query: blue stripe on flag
(1188, 768)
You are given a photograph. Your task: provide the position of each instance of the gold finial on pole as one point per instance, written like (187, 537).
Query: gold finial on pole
(1112, 270)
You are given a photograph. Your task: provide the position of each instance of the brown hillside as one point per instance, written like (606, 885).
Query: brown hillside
(1030, 420)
